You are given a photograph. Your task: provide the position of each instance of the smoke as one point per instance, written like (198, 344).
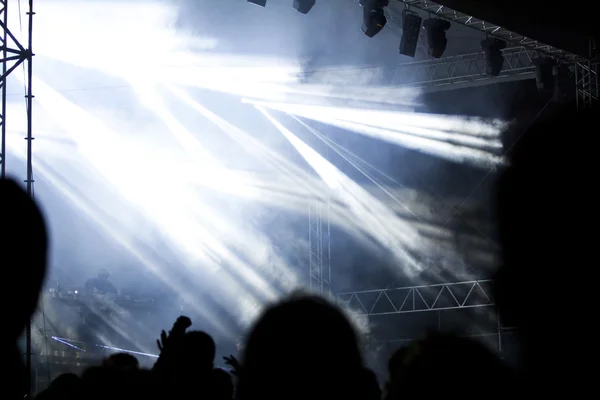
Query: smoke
(148, 163)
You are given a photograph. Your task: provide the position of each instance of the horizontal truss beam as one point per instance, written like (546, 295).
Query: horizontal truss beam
(465, 70)
(492, 30)
(447, 73)
(411, 299)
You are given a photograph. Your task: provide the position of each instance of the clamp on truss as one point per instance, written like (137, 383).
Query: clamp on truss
(410, 299)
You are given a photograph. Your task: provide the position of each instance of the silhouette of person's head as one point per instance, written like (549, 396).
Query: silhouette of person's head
(122, 361)
(395, 370)
(104, 274)
(196, 352)
(303, 347)
(116, 383)
(448, 360)
(546, 209)
(25, 246)
(66, 386)
(372, 388)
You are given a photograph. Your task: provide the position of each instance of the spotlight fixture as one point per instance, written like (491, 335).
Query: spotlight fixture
(261, 3)
(411, 26)
(494, 59)
(373, 16)
(304, 6)
(436, 36)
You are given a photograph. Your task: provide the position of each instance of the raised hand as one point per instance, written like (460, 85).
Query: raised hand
(162, 342)
(235, 365)
(178, 330)
(181, 324)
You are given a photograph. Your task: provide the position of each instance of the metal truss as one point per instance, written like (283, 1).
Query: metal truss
(465, 70)
(319, 241)
(586, 83)
(488, 28)
(411, 299)
(13, 54)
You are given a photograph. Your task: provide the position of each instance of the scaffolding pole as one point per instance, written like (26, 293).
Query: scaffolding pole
(319, 235)
(319, 239)
(29, 179)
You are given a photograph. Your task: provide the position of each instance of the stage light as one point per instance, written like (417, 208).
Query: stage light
(374, 21)
(304, 6)
(373, 16)
(411, 27)
(494, 59)
(436, 36)
(544, 73)
(261, 3)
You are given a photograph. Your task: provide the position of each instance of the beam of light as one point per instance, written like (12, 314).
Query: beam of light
(384, 189)
(433, 124)
(338, 208)
(298, 183)
(137, 180)
(281, 166)
(431, 234)
(111, 41)
(65, 342)
(338, 215)
(230, 181)
(150, 98)
(247, 86)
(363, 167)
(374, 217)
(137, 353)
(449, 151)
(461, 131)
(123, 240)
(128, 50)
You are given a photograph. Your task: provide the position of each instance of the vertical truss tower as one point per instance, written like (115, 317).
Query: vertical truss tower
(586, 84)
(586, 80)
(15, 54)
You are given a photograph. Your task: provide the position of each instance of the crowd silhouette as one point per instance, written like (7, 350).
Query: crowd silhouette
(304, 347)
